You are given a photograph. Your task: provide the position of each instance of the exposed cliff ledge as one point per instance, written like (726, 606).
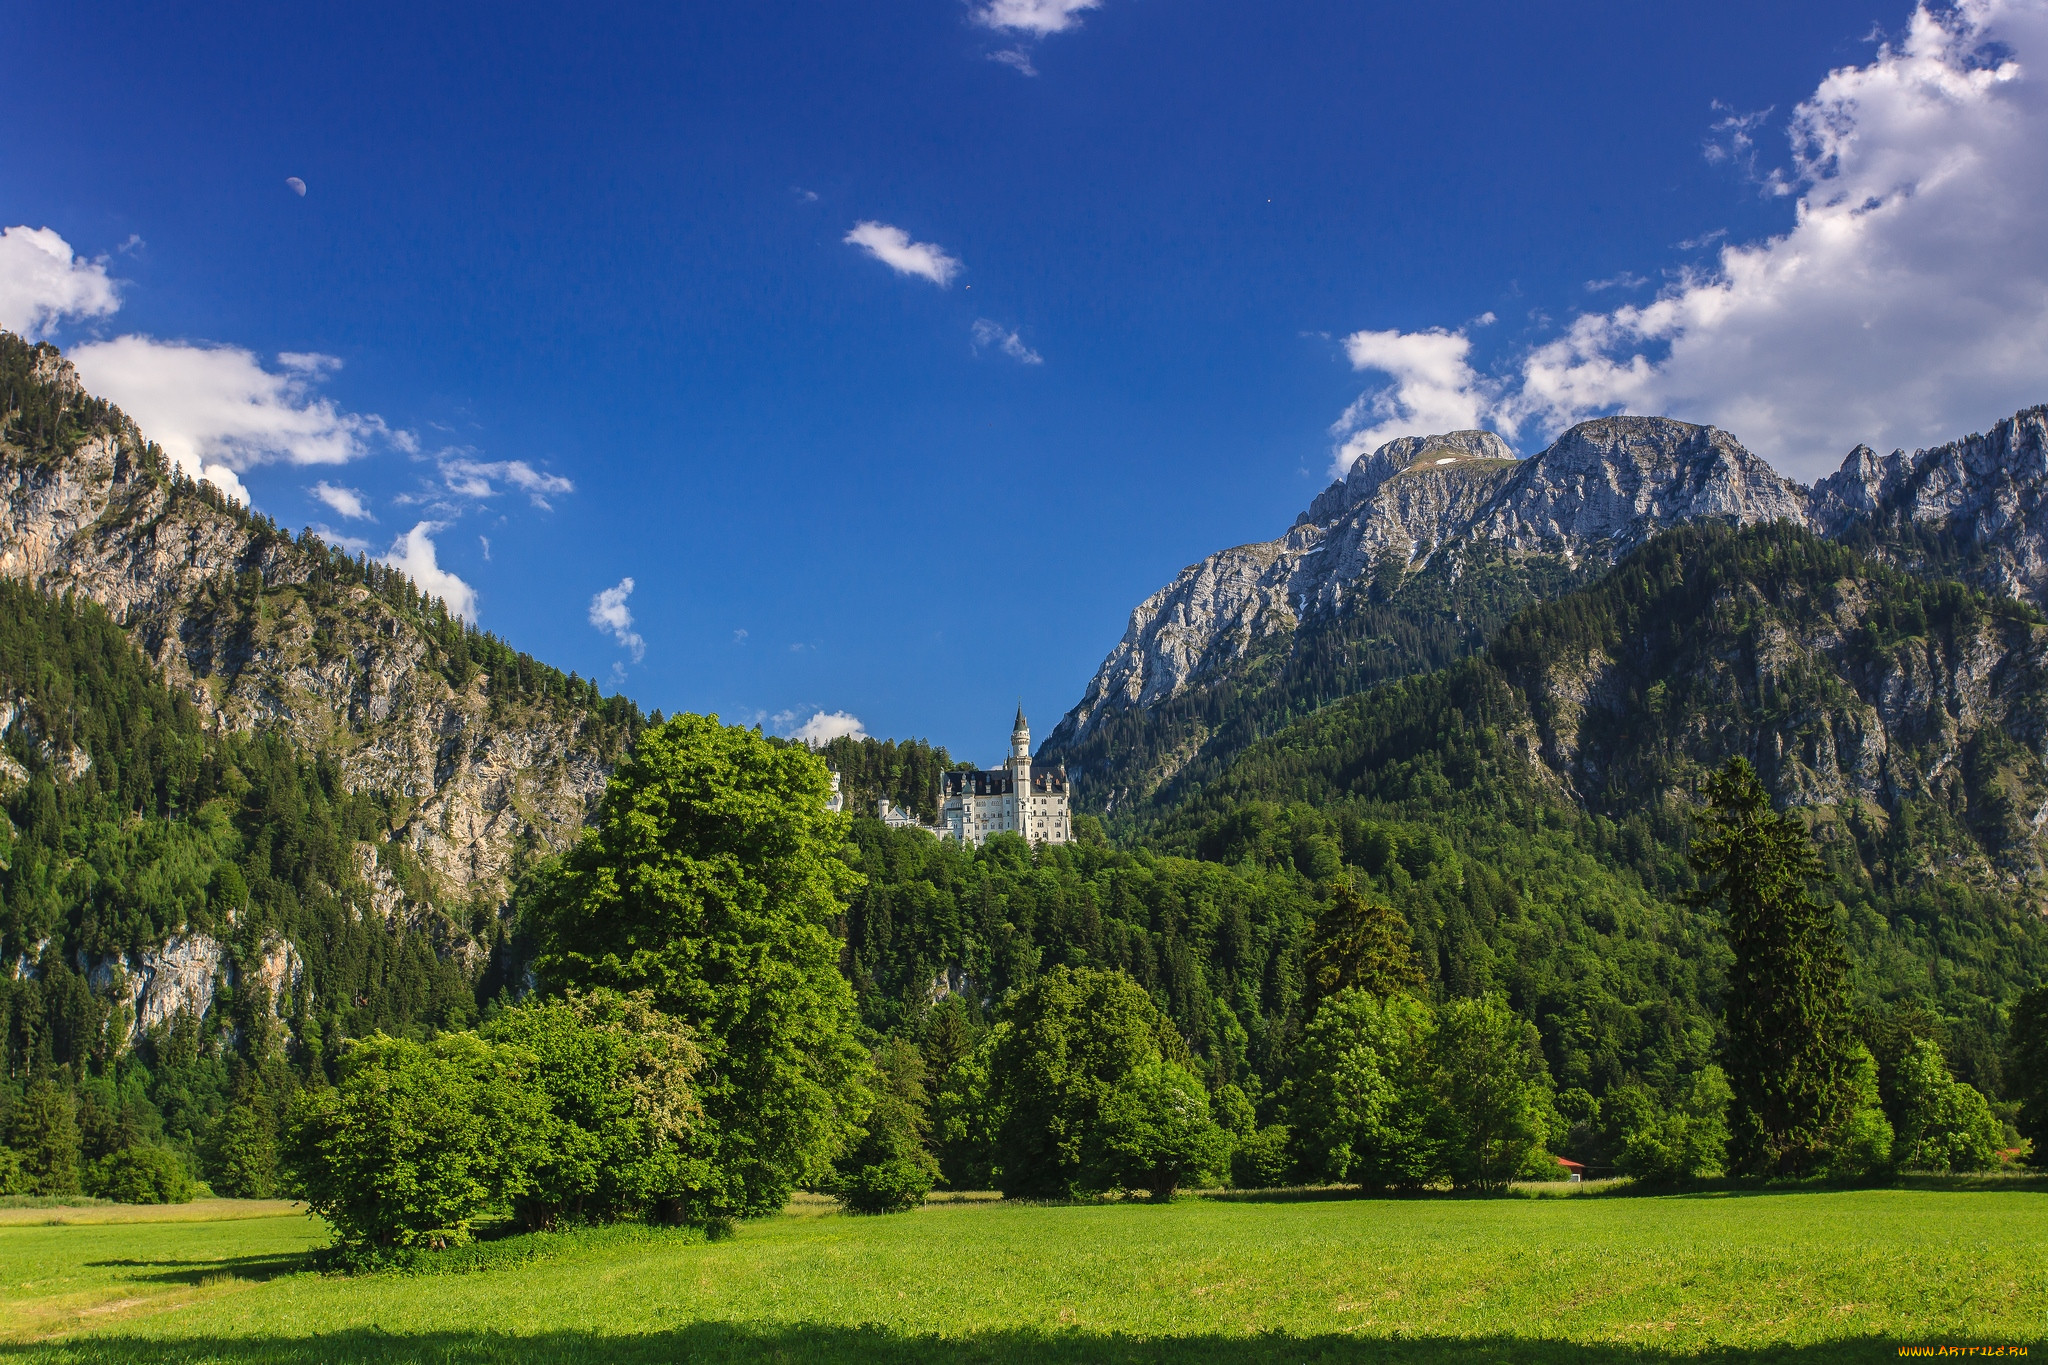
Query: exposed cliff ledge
(267, 632)
(1401, 527)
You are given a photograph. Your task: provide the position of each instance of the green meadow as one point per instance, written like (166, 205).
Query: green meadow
(1809, 1276)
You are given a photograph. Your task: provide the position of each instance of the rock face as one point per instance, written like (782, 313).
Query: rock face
(1601, 490)
(263, 632)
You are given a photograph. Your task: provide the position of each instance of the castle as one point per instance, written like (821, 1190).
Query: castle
(1016, 798)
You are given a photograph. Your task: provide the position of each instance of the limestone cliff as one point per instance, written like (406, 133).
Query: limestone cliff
(1429, 542)
(265, 631)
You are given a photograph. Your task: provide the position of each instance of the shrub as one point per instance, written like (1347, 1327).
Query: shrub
(142, 1175)
(709, 877)
(416, 1141)
(618, 1078)
(1944, 1124)
(1364, 1107)
(1264, 1159)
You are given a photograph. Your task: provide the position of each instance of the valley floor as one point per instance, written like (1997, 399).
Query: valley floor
(1798, 1276)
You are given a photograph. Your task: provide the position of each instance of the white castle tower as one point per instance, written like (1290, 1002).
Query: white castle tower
(1015, 798)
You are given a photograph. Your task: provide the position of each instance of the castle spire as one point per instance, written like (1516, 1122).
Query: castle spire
(1022, 724)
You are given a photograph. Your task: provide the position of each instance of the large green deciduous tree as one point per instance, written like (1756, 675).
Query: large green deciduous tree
(1495, 1090)
(1065, 1079)
(1944, 1124)
(1789, 1038)
(708, 879)
(1364, 1108)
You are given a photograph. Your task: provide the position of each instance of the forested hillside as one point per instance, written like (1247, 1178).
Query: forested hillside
(485, 753)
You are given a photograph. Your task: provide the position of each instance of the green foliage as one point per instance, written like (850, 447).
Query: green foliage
(142, 1175)
(904, 772)
(1359, 941)
(416, 1141)
(1787, 995)
(1234, 1112)
(1365, 1106)
(1862, 1146)
(1264, 1159)
(2027, 1069)
(967, 1117)
(709, 878)
(1494, 1089)
(1659, 1144)
(1157, 1134)
(43, 1131)
(1944, 1124)
(891, 1168)
(1075, 1037)
(619, 1081)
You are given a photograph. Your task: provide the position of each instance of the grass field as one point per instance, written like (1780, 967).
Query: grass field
(1806, 1276)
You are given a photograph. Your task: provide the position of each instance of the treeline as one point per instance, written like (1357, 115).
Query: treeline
(904, 772)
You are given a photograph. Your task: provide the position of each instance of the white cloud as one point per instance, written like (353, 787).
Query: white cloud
(609, 613)
(987, 333)
(892, 247)
(1909, 301)
(1906, 305)
(1435, 389)
(216, 411)
(824, 727)
(41, 281)
(480, 478)
(1035, 17)
(413, 554)
(348, 502)
(1015, 57)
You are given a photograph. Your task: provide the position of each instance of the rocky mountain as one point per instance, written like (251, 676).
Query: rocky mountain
(460, 758)
(1430, 543)
(1905, 716)
(263, 630)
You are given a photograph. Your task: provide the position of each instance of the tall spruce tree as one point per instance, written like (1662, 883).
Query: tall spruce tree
(1789, 1037)
(1360, 941)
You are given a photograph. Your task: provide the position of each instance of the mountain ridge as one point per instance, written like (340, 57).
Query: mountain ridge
(1233, 624)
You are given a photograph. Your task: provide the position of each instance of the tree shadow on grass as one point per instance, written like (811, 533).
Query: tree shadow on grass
(254, 1268)
(715, 1343)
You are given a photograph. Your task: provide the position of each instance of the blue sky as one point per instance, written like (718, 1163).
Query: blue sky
(570, 298)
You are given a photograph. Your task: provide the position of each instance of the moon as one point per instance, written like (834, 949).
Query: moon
(298, 186)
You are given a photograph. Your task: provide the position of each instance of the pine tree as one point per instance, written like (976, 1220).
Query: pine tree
(1360, 941)
(44, 1130)
(1789, 1036)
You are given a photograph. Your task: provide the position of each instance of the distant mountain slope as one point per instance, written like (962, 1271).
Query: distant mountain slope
(1431, 543)
(482, 753)
(1907, 718)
